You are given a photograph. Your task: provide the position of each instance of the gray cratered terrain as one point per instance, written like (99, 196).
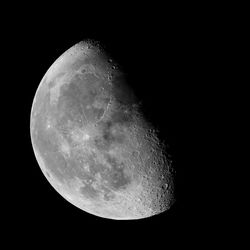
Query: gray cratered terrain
(92, 142)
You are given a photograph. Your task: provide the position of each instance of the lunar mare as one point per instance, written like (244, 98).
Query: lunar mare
(92, 142)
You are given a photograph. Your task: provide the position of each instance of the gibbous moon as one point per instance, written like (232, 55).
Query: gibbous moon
(92, 142)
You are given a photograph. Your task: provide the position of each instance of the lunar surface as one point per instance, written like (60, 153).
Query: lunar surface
(92, 142)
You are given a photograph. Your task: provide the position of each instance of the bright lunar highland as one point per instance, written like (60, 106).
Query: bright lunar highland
(93, 143)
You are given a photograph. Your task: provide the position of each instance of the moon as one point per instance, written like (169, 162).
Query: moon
(93, 143)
